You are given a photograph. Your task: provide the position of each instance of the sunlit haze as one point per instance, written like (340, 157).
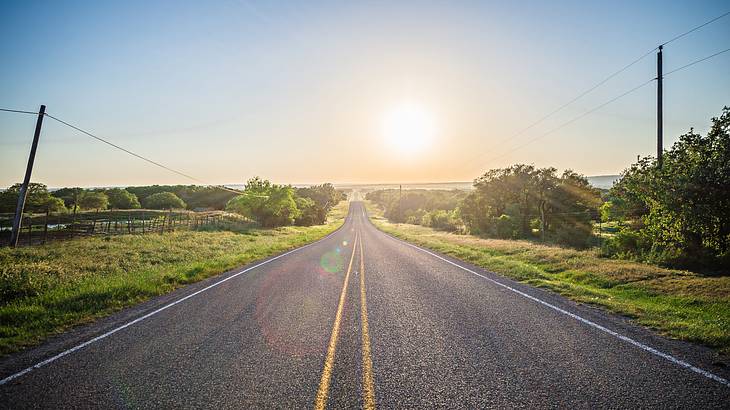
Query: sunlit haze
(346, 92)
(408, 128)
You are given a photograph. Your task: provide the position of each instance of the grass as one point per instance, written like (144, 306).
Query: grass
(48, 289)
(679, 304)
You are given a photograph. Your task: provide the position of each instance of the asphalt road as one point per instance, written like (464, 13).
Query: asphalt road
(360, 319)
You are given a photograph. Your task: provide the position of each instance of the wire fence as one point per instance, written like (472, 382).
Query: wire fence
(39, 229)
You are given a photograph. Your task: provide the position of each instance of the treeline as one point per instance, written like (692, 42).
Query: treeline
(519, 202)
(268, 204)
(677, 213)
(40, 200)
(273, 205)
(435, 208)
(524, 202)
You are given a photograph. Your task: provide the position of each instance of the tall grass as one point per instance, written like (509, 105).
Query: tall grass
(680, 304)
(48, 289)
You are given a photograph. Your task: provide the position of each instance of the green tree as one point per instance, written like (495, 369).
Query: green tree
(323, 198)
(509, 202)
(70, 196)
(122, 199)
(93, 200)
(309, 212)
(164, 200)
(268, 204)
(681, 210)
(412, 205)
(37, 199)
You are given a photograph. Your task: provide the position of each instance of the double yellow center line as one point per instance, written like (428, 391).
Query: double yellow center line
(367, 363)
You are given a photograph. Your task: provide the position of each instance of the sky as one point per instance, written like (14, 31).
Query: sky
(346, 92)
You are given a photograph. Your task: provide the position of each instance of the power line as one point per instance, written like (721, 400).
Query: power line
(696, 61)
(696, 28)
(18, 111)
(581, 95)
(600, 83)
(140, 156)
(565, 124)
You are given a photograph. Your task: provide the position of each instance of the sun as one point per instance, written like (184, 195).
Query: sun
(408, 127)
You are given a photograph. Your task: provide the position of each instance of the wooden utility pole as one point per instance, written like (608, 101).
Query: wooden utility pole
(659, 110)
(24, 187)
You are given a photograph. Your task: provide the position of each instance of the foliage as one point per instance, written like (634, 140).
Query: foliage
(195, 196)
(507, 201)
(278, 205)
(93, 200)
(122, 199)
(309, 212)
(268, 204)
(37, 199)
(323, 198)
(443, 220)
(70, 196)
(163, 200)
(421, 206)
(679, 213)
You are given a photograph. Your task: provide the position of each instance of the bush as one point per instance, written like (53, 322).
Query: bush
(506, 227)
(443, 220)
(164, 200)
(680, 209)
(93, 200)
(122, 199)
(268, 204)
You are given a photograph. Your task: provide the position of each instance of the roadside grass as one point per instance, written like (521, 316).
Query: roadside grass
(48, 289)
(679, 304)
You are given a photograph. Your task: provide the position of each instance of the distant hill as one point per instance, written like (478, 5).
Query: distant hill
(603, 181)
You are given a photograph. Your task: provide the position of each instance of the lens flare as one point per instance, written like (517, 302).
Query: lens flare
(332, 261)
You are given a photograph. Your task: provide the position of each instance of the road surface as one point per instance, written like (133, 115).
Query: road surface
(360, 319)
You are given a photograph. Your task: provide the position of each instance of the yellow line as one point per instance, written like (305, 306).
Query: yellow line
(368, 385)
(329, 362)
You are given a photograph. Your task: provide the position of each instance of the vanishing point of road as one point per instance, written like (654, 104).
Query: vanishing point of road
(361, 320)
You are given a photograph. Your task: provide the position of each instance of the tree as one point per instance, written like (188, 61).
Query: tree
(310, 213)
(122, 199)
(412, 205)
(164, 200)
(268, 204)
(323, 198)
(93, 200)
(508, 202)
(681, 210)
(37, 199)
(70, 196)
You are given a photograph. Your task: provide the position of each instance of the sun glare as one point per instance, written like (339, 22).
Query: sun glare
(409, 128)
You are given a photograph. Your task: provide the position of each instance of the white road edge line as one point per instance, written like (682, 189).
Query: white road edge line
(154, 312)
(627, 339)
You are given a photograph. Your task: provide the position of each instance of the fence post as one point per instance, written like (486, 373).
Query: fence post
(45, 226)
(73, 222)
(30, 231)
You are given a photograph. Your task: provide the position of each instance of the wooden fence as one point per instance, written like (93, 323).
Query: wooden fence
(39, 229)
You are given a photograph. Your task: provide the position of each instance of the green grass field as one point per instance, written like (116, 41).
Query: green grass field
(680, 304)
(48, 289)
